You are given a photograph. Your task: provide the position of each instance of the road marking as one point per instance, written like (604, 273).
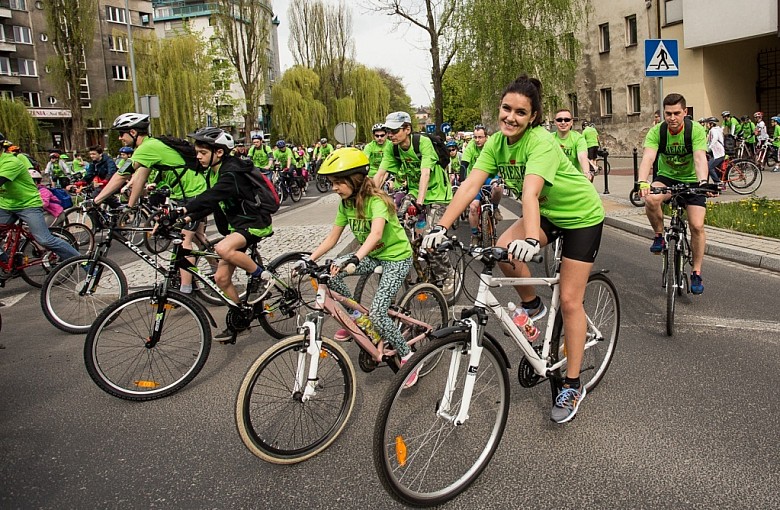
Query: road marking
(12, 300)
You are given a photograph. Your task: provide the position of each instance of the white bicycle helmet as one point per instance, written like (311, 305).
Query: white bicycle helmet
(128, 121)
(214, 137)
(377, 127)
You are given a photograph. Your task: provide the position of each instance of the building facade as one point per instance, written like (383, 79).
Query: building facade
(728, 60)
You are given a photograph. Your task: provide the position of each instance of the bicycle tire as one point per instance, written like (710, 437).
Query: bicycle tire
(323, 185)
(155, 244)
(441, 459)
(61, 302)
(426, 303)
(76, 214)
(366, 287)
(134, 219)
(44, 259)
(488, 229)
(602, 307)
(118, 360)
(671, 280)
(284, 307)
(548, 258)
(85, 238)
(635, 199)
(208, 269)
(296, 193)
(274, 423)
(459, 264)
(744, 177)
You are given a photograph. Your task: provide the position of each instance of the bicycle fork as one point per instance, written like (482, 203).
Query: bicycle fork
(475, 354)
(305, 386)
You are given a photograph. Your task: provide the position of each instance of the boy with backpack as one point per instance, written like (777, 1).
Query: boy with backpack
(242, 209)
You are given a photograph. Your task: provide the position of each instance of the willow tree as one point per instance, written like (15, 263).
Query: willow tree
(399, 99)
(18, 126)
(371, 98)
(437, 18)
(243, 28)
(171, 69)
(516, 36)
(298, 115)
(108, 108)
(71, 25)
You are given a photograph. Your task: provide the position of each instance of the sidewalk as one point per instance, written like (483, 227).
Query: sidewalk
(755, 251)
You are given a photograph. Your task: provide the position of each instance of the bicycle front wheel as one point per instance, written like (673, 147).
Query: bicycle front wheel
(672, 271)
(744, 177)
(296, 193)
(426, 303)
(323, 185)
(120, 360)
(79, 289)
(274, 417)
(421, 455)
(602, 309)
(488, 229)
(284, 306)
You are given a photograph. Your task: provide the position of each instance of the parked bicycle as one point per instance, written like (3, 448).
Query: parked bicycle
(152, 343)
(26, 257)
(297, 397)
(766, 155)
(677, 256)
(433, 440)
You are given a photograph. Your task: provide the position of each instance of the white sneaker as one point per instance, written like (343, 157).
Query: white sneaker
(448, 287)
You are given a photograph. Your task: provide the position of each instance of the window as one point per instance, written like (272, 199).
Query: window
(121, 73)
(19, 5)
(673, 10)
(634, 100)
(570, 46)
(606, 102)
(574, 106)
(7, 95)
(32, 99)
(117, 43)
(5, 65)
(22, 35)
(115, 14)
(2, 33)
(27, 67)
(631, 39)
(604, 38)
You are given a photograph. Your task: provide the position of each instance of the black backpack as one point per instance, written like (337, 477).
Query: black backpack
(730, 144)
(185, 149)
(687, 136)
(438, 144)
(33, 161)
(266, 197)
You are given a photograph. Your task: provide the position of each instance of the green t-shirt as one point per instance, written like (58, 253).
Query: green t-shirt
(375, 153)
(571, 146)
(260, 157)
(409, 166)
(153, 154)
(324, 151)
(732, 125)
(189, 186)
(20, 192)
(25, 161)
(591, 136)
(567, 198)
(776, 136)
(394, 244)
(748, 131)
(281, 156)
(471, 154)
(675, 164)
(78, 166)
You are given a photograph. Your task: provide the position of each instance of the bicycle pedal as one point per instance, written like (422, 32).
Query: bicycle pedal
(231, 340)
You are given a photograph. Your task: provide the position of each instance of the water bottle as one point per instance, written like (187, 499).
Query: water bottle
(364, 323)
(421, 220)
(523, 321)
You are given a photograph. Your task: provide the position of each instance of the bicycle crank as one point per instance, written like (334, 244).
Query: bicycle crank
(525, 371)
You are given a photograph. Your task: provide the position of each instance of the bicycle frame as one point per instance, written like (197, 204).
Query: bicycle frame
(13, 235)
(677, 231)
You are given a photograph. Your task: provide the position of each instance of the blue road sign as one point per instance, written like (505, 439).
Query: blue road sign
(430, 128)
(661, 58)
(446, 127)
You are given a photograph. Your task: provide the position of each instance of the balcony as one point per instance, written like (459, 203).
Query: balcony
(7, 79)
(5, 12)
(7, 46)
(163, 12)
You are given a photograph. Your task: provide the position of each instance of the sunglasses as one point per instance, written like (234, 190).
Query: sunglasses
(394, 131)
(563, 119)
(381, 135)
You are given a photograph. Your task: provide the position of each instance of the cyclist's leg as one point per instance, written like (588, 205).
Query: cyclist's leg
(5, 218)
(713, 166)
(36, 223)
(696, 215)
(230, 249)
(188, 233)
(474, 217)
(653, 205)
(393, 275)
(519, 269)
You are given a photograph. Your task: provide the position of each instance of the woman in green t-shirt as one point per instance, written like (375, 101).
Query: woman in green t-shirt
(557, 201)
(371, 216)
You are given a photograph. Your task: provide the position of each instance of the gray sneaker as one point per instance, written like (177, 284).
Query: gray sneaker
(537, 313)
(566, 404)
(448, 287)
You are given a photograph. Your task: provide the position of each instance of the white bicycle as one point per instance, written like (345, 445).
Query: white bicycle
(431, 441)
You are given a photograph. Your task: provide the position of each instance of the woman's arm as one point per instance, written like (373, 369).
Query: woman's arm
(532, 187)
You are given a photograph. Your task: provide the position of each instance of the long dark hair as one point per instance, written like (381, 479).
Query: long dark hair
(364, 188)
(530, 88)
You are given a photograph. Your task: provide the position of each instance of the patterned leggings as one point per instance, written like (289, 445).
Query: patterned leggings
(393, 274)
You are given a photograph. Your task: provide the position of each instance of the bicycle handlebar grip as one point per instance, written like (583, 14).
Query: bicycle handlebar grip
(350, 268)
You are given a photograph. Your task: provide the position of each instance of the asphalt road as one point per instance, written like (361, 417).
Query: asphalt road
(683, 422)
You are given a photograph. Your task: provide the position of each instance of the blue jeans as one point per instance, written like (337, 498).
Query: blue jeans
(713, 165)
(36, 223)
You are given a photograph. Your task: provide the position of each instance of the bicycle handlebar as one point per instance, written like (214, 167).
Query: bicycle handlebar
(686, 189)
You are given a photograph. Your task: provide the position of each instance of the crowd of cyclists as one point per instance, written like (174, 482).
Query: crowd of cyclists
(551, 173)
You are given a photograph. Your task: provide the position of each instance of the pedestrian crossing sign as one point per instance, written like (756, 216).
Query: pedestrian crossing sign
(661, 58)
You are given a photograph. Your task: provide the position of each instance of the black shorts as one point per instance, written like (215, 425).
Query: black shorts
(193, 225)
(251, 239)
(578, 243)
(593, 152)
(698, 200)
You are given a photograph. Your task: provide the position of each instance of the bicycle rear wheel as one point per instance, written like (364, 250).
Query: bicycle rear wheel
(421, 456)
(284, 306)
(118, 359)
(78, 290)
(488, 227)
(134, 219)
(602, 309)
(274, 421)
(744, 177)
(41, 259)
(672, 271)
(85, 238)
(323, 185)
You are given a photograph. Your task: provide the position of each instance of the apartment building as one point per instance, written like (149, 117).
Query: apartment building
(729, 59)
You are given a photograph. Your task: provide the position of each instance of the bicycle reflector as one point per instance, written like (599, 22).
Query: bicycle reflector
(400, 450)
(146, 384)
(421, 297)
(323, 353)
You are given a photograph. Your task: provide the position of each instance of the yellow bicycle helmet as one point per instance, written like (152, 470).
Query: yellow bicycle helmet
(344, 162)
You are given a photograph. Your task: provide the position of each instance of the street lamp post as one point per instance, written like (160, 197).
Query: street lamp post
(216, 104)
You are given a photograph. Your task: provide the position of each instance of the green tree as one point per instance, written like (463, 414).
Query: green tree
(72, 27)
(297, 114)
(18, 126)
(399, 99)
(109, 108)
(371, 97)
(244, 28)
(516, 36)
(461, 98)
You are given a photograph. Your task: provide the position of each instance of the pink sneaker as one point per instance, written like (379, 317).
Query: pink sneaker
(341, 335)
(411, 380)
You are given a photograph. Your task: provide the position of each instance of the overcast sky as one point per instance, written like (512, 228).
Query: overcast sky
(402, 52)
